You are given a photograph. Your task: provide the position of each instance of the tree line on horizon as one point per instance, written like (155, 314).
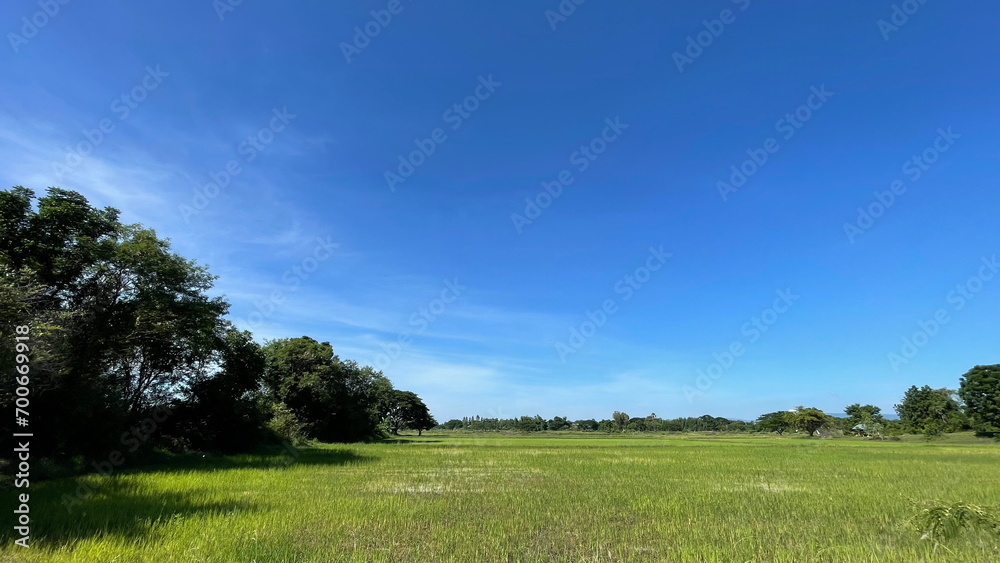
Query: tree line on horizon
(126, 351)
(975, 405)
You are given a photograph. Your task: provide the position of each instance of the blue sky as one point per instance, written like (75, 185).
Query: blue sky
(308, 236)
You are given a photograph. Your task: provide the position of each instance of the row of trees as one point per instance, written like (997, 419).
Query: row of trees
(126, 346)
(975, 405)
(619, 422)
(924, 410)
(335, 400)
(810, 421)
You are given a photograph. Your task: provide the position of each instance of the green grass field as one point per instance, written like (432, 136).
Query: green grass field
(484, 498)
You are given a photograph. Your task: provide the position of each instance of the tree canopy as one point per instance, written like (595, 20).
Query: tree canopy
(779, 421)
(980, 391)
(810, 420)
(125, 331)
(861, 414)
(927, 410)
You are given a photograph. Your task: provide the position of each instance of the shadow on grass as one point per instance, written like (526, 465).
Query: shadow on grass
(266, 458)
(125, 505)
(406, 440)
(115, 507)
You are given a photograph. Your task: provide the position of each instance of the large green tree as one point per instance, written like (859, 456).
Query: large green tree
(810, 420)
(224, 410)
(407, 410)
(980, 391)
(340, 401)
(858, 414)
(59, 240)
(120, 324)
(558, 423)
(868, 417)
(156, 327)
(620, 420)
(930, 411)
(778, 421)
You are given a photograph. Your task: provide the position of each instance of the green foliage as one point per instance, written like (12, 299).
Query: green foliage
(59, 241)
(779, 421)
(123, 325)
(638, 424)
(620, 421)
(339, 400)
(558, 423)
(286, 426)
(895, 428)
(942, 522)
(810, 420)
(862, 414)
(980, 391)
(453, 424)
(23, 301)
(650, 423)
(157, 327)
(225, 411)
(931, 411)
(864, 420)
(122, 328)
(874, 430)
(407, 410)
(530, 424)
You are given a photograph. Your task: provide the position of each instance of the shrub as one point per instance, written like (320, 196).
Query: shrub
(942, 522)
(286, 426)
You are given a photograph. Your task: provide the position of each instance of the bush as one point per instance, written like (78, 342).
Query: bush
(286, 426)
(453, 424)
(938, 523)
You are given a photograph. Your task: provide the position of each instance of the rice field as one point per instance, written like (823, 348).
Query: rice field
(491, 498)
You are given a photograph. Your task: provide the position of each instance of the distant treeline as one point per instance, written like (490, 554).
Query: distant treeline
(112, 347)
(922, 410)
(638, 424)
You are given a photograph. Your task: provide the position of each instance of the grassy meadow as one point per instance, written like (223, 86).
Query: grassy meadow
(492, 498)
